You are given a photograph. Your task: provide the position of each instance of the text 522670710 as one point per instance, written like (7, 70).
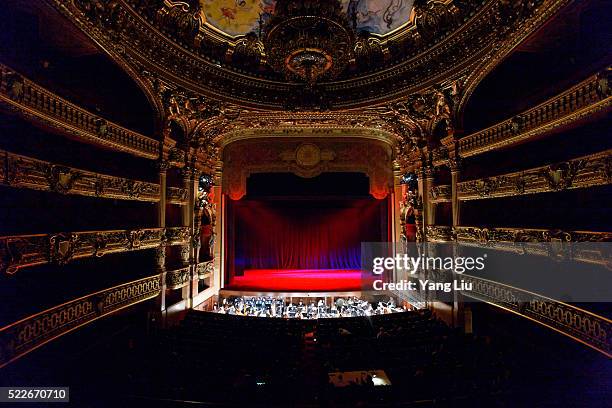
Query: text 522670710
(34, 394)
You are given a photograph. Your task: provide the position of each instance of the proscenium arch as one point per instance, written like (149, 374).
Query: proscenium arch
(381, 172)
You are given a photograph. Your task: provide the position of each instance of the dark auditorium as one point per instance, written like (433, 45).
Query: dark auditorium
(306, 203)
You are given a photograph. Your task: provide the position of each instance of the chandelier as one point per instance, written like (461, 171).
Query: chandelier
(308, 40)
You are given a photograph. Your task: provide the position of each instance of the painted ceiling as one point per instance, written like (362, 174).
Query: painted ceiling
(239, 17)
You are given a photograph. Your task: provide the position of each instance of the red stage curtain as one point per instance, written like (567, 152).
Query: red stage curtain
(305, 235)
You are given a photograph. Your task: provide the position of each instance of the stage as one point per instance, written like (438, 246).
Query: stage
(298, 280)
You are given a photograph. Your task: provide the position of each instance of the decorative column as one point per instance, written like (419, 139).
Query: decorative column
(196, 243)
(160, 251)
(455, 168)
(458, 302)
(397, 200)
(428, 207)
(421, 200)
(218, 245)
(187, 218)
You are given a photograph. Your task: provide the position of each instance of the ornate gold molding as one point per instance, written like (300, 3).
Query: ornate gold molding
(439, 233)
(159, 48)
(178, 278)
(26, 335)
(372, 124)
(307, 157)
(440, 194)
(205, 269)
(35, 103)
(582, 172)
(528, 241)
(25, 172)
(583, 100)
(21, 251)
(176, 195)
(586, 327)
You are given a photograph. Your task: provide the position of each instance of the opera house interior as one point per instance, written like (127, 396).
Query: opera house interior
(301, 203)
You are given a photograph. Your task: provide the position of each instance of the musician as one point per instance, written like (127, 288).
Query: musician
(291, 310)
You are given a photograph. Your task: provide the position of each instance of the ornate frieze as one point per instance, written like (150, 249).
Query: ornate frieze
(176, 195)
(538, 242)
(21, 337)
(439, 233)
(164, 40)
(582, 172)
(586, 327)
(307, 157)
(440, 193)
(585, 99)
(177, 278)
(177, 236)
(35, 103)
(21, 251)
(26, 172)
(205, 269)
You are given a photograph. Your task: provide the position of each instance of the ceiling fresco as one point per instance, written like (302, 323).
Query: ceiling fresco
(239, 17)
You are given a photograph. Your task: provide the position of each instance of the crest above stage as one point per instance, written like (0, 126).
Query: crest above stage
(307, 157)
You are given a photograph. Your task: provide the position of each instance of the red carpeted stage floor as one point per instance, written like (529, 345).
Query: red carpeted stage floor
(302, 280)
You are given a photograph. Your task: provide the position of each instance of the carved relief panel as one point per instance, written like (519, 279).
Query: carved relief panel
(307, 157)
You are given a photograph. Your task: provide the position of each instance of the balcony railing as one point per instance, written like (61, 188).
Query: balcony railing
(527, 241)
(25, 172)
(581, 325)
(441, 193)
(582, 172)
(22, 251)
(177, 278)
(589, 97)
(205, 269)
(176, 195)
(34, 102)
(26, 335)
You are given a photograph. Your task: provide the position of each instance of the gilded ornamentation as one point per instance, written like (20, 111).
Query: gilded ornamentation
(30, 333)
(432, 17)
(176, 236)
(25, 172)
(338, 154)
(582, 100)
(436, 233)
(582, 172)
(561, 176)
(538, 242)
(21, 251)
(176, 195)
(589, 328)
(177, 278)
(205, 269)
(172, 36)
(309, 41)
(62, 247)
(440, 193)
(42, 106)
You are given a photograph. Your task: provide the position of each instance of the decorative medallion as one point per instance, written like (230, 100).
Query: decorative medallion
(308, 155)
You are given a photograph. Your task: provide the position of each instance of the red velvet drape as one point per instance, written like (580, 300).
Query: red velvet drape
(304, 235)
